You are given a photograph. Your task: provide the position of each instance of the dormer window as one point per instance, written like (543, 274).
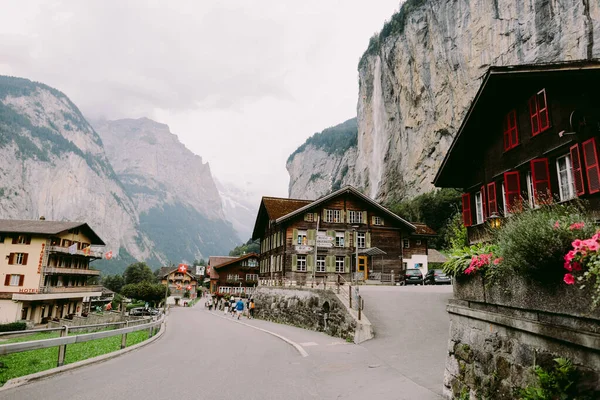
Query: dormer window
(538, 111)
(511, 133)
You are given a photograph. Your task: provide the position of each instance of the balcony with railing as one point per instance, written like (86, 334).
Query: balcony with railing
(65, 250)
(71, 289)
(70, 271)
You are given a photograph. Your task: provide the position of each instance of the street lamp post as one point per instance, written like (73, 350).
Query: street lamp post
(355, 233)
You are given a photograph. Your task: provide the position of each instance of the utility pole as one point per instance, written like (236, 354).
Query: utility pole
(167, 289)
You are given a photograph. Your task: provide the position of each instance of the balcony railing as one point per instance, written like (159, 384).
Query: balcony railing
(70, 271)
(70, 289)
(65, 250)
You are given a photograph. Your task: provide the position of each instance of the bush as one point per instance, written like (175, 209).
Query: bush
(533, 243)
(13, 326)
(464, 261)
(558, 382)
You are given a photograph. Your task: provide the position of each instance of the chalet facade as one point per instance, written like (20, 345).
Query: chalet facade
(415, 248)
(529, 137)
(180, 283)
(45, 267)
(300, 239)
(234, 275)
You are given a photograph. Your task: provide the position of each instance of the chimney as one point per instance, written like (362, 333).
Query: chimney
(42, 218)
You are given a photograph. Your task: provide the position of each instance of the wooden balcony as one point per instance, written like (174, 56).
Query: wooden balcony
(70, 289)
(70, 271)
(65, 250)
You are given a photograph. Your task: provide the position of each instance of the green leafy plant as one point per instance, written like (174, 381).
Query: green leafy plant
(471, 259)
(559, 382)
(13, 326)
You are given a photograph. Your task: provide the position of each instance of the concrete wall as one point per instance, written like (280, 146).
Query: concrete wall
(94, 318)
(10, 311)
(499, 332)
(306, 309)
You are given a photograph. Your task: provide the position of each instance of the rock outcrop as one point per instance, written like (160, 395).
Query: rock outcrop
(419, 76)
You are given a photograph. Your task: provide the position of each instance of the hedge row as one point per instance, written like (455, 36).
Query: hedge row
(13, 326)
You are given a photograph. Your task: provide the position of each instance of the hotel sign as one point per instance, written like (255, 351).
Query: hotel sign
(302, 249)
(28, 290)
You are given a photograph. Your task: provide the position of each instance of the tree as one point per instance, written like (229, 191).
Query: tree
(145, 291)
(137, 273)
(113, 282)
(248, 247)
(201, 262)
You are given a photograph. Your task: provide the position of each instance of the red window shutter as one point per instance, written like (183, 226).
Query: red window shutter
(590, 159)
(577, 172)
(27, 239)
(466, 209)
(513, 191)
(14, 239)
(11, 258)
(511, 134)
(491, 197)
(24, 259)
(22, 279)
(540, 177)
(7, 280)
(534, 116)
(483, 203)
(542, 107)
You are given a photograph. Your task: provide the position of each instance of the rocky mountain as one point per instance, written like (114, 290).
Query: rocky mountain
(173, 190)
(420, 73)
(53, 164)
(240, 205)
(324, 163)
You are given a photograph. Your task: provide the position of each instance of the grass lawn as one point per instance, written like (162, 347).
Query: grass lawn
(29, 362)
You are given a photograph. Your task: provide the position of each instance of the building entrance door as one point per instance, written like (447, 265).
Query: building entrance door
(362, 266)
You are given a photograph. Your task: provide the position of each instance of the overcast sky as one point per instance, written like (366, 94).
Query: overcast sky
(242, 83)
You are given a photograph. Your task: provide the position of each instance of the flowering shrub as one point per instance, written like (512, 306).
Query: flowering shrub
(534, 242)
(583, 264)
(470, 260)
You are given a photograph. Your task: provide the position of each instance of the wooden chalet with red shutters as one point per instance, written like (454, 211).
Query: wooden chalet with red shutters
(234, 275)
(302, 239)
(529, 137)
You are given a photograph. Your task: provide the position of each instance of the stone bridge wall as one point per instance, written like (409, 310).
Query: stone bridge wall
(318, 310)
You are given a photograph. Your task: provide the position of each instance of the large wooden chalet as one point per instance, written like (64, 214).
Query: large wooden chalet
(234, 275)
(530, 136)
(337, 224)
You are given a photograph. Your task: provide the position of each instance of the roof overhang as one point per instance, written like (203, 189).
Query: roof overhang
(372, 251)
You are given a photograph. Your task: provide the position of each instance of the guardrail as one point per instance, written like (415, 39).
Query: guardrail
(344, 288)
(64, 339)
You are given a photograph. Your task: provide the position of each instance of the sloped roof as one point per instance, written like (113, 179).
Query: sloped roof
(434, 256)
(423, 229)
(171, 270)
(245, 256)
(213, 261)
(278, 207)
(43, 227)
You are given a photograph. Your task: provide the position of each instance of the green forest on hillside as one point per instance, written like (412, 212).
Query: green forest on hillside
(334, 140)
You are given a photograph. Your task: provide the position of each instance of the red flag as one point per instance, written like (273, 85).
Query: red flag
(182, 268)
(108, 255)
(189, 287)
(86, 251)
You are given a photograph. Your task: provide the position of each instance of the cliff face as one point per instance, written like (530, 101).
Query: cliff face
(173, 190)
(419, 76)
(52, 163)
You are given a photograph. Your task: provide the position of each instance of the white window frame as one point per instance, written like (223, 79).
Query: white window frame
(355, 217)
(301, 238)
(251, 277)
(570, 184)
(340, 239)
(320, 263)
(339, 264)
(310, 217)
(22, 239)
(301, 263)
(478, 208)
(406, 244)
(361, 240)
(337, 216)
(530, 191)
(19, 258)
(328, 215)
(504, 200)
(377, 221)
(14, 280)
(232, 277)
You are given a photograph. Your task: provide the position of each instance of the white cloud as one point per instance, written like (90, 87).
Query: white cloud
(241, 83)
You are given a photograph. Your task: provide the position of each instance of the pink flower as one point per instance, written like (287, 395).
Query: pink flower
(576, 266)
(556, 225)
(470, 270)
(577, 225)
(596, 236)
(570, 255)
(577, 244)
(593, 245)
(498, 260)
(568, 266)
(569, 279)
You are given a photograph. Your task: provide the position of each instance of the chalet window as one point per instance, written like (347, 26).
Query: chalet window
(565, 178)
(360, 239)
(513, 191)
(17, 259)
(377, 221)
(320, 263)
(355, 217)
(328, 215)
(250, 277)
(478, 208)
(339, 239)
(466, 209)
(339, 264)
(540, 179)
(491, 198)
(406, 243)
(590, 159)
(231, 277)
(301, 239)
(309, 217)
(417, 242)
(14, 280)
(22, 239)
(577, 171)
(301, 263)
(538, 112)
(252, 262)
(511, 133)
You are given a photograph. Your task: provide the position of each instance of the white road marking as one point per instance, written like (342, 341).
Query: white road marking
(309, 344)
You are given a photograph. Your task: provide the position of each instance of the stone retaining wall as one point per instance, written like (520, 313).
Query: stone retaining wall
(498, 333)
(94, 318)
(318, 310)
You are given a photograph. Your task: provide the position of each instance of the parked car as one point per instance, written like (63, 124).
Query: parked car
(413, 276)
(437, 277)
(141, 311)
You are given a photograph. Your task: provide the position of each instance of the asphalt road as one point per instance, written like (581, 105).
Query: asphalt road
(411, 330)
(204, 355)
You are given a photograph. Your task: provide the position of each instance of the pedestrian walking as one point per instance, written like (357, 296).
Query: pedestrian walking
(226, 307)
(251, 308)
(210, 304)
(239, 307)
(232, 304)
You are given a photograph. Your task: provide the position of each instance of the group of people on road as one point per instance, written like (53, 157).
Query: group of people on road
(233, 306)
